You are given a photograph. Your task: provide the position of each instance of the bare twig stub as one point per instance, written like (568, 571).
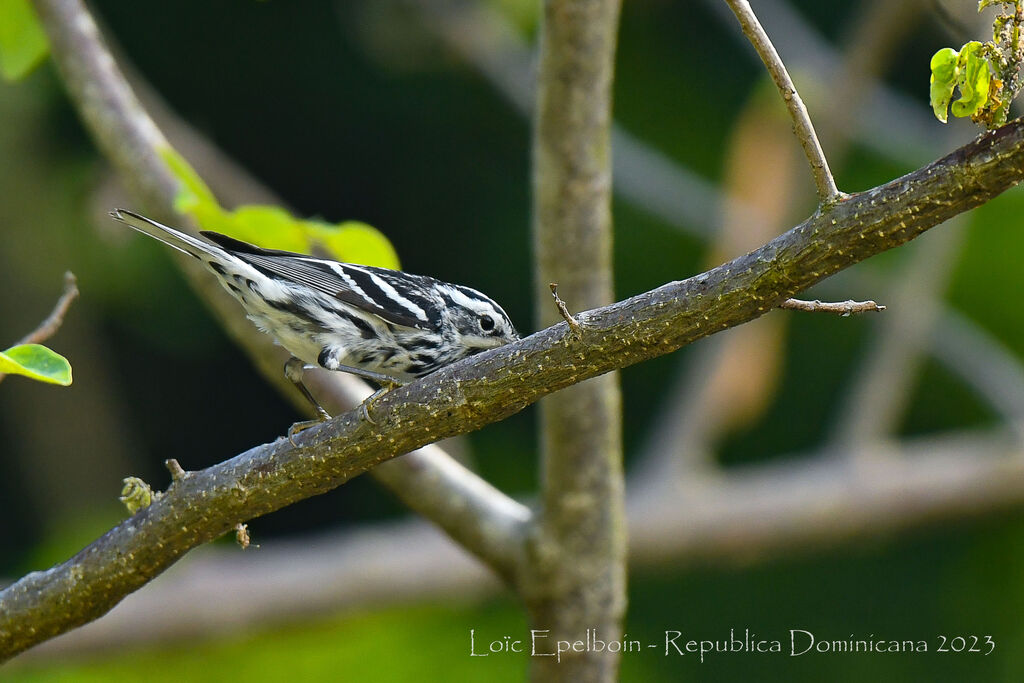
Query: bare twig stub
(174, 467)
(802, 126)
(843, 308)
(563, 310)
(242, 535)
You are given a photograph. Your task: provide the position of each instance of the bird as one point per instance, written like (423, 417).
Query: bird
(382, 325)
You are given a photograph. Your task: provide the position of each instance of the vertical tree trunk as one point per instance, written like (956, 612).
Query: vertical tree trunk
(575, 580)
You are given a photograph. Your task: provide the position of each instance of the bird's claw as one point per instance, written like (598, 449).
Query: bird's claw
(364, 407)
(323, 416)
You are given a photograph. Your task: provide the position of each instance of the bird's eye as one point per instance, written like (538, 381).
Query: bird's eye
(486, 323)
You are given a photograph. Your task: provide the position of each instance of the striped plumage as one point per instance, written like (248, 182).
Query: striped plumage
(380, 324)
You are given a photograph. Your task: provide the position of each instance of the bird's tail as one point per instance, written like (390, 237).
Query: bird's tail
(169, 236)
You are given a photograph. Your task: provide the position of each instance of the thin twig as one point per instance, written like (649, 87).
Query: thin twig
(664, 188)
(843, 308)
(563, 310)
(888, 123)
(804, 129)
(49, 327)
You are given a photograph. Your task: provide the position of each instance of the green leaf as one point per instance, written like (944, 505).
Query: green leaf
(273, 227)
(268, 226)
(944, 74)
(194, 192)
(974, 80)
(37, 362)
(355, 242)
(23, 44)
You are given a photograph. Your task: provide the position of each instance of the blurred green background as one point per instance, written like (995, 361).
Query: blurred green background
(356, 110)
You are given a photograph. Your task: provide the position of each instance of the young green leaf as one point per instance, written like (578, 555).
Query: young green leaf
(37, 362)
(944, 75)
(23, 44)
(268, 226)
(274, 228)
(194, 192)
(974, 80)
(355, 242)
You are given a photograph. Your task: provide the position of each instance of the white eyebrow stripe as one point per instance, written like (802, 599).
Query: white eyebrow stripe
(386, 287)
(466, 301)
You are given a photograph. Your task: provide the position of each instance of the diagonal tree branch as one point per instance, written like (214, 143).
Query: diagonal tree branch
(484, 520)
(493, 385)
(983, 363)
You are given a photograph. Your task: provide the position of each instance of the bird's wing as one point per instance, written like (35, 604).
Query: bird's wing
(397, 297)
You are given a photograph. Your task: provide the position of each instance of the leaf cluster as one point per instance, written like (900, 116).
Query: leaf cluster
(987, 75)
(274, 227)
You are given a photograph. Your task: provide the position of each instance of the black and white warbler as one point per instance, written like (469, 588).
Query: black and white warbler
(382, 325)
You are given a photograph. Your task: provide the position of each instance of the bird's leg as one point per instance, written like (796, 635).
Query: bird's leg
(293, 370)
(386, 382)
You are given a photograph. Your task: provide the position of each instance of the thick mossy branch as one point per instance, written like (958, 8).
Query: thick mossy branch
(489, 387)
